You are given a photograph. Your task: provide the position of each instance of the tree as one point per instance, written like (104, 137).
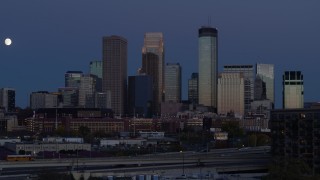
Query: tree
(232, 129)
(84, 132)
(252, 140)
(289, 168)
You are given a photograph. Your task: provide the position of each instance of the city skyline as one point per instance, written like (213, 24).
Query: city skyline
(46, 43)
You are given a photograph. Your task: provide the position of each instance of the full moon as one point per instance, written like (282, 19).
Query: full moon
(7, 41)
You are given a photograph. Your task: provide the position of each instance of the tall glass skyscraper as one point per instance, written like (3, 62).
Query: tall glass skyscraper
(193, 96)
(266, 74)
(248, 75)
(140, 96)
(115, 72)
(293, 90)
(96, 69)
(208, 67)
(153, 65)
(173, 82)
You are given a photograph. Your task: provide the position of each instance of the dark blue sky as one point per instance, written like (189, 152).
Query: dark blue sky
(52, 37)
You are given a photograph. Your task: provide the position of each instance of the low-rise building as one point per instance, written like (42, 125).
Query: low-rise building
(34, 148)
(296, 134)
(123, 142)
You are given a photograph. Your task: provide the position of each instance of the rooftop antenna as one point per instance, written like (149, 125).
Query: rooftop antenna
(209, 20)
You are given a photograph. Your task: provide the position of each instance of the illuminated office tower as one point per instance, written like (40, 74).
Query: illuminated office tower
(193, 96)
(248, 75)
(266, 74)
(208, 67)
(72, 78)
(292, 89)
(173, 82)
(153, 65)
(8, 99)
(115, 72)
(231, 93)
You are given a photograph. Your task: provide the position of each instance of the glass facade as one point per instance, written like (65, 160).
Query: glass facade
(208, 66)
(173, 82)
(72, 78)
(153, 65)
(193, 96)
(266, 74)
(293, 90)
(96, 69)
(140, 96)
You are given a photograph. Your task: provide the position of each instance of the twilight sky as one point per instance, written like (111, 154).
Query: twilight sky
(52, 37)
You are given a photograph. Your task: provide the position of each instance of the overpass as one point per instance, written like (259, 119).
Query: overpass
(223, 160)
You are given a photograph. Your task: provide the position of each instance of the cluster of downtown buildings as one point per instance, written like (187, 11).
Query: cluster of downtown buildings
(106, 99)
(239, 89)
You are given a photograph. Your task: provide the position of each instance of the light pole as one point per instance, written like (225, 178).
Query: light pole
(182, 162)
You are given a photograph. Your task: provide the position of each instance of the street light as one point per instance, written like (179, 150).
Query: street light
(182, 162)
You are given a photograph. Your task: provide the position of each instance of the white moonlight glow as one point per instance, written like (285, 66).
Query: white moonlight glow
(7, 41)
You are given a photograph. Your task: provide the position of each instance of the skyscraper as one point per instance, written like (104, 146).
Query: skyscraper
(8, 99)
(231, 93)
(140, 96)
(96, 69)
(153, 65)
(87, 90)
(292, 89)
(115, 71)
(259, 89)
(208, 66)
(173, 82)
(70, 96)
(193, 96)
(248, 75)
(266, 74)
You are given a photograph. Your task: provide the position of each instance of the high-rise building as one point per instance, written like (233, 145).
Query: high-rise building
(231, 93)
(173, 82)
(140, 96)
(115, 72)
(70, 96)
(248, 75)
(259, 89)
(87, 90)
(103, 100)
(43, 99)
(266, 74)
(8, 99)
(153, 65)
(208, 67)
(292, 89)
(72, 78)
(193, 96)
(96, 69)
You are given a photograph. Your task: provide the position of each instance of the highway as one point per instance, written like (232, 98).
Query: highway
(219, 158)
